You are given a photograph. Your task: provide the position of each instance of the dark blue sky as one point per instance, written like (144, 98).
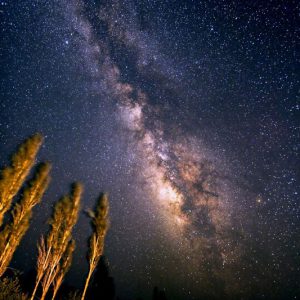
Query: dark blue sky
(145, 98)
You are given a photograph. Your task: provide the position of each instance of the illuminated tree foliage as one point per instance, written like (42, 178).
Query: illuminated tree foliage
(100, 224)
(14, 230)
(13, 176)
(55, 251)
(63, 267)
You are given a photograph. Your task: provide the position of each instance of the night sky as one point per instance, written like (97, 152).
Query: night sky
(187, 114)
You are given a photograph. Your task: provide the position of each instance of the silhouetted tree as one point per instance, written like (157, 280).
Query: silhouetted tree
(102, 285)
(68, 292)
(100, 225)
(158, 295)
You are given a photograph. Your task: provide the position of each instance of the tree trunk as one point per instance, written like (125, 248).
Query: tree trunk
(35, 289)
(86, 283)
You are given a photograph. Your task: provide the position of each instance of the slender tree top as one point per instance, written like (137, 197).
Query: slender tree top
(100, 225)
(100, 222)
(36, 187)
(64, 218)
(12, 177)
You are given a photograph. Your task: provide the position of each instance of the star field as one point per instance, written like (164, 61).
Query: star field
(187, 114)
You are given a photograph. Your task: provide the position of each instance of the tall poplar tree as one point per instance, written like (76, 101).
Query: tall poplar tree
(100, 224)
(12, 177)
(14, 229)
(55, 250)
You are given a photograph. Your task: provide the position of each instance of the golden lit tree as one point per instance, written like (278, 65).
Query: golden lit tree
(13, 176)
(63, 267)
(52, 250)
(16, 227)
(100, 224)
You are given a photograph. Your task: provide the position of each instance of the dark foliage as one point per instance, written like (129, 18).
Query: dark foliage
(102, 286)
(158, 295)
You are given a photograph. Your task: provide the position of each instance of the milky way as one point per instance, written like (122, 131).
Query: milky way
(186, 112)
(192, 196)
